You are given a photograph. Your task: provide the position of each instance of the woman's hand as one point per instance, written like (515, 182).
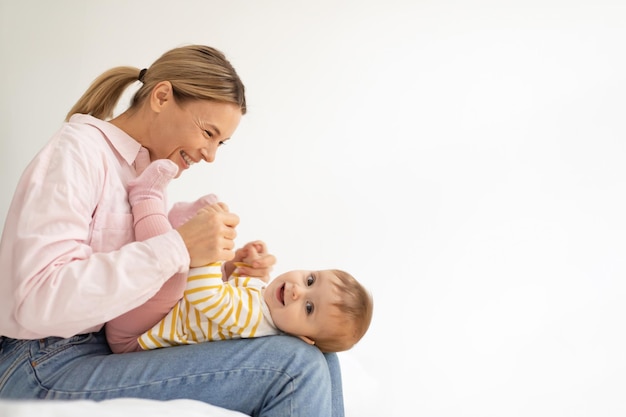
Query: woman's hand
(210, 235)
(258, 263)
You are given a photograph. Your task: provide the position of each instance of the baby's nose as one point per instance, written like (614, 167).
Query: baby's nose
(296, 292)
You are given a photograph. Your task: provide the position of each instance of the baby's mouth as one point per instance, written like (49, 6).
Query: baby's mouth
(281, 294)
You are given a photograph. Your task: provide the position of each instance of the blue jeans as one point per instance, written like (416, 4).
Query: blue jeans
(267, 376)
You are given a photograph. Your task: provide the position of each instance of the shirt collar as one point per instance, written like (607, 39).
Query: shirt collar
(123, 143)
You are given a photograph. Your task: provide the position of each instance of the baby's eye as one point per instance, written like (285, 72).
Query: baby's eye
(310, 280)
(309, 308)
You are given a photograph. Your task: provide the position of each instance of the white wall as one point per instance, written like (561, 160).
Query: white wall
(465, 160)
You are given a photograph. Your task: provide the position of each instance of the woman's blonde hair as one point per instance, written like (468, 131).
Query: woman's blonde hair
(195, 72)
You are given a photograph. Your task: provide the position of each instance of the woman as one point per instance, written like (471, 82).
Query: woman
(70, 261)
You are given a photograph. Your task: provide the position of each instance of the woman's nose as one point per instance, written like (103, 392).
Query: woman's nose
(208, 153)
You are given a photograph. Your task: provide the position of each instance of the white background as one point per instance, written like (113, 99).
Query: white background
(464, 159)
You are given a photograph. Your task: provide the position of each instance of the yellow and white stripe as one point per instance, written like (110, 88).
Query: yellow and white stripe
(213, 310)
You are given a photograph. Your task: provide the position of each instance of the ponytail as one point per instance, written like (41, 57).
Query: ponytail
(103, 94)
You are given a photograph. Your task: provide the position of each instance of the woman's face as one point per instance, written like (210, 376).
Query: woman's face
(191, 132)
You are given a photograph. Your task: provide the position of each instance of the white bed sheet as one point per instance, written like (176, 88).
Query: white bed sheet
(123, 407)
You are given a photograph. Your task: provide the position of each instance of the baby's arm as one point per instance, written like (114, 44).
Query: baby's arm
(210, 310)
(251, 260)
(234, 306)
(181, 325)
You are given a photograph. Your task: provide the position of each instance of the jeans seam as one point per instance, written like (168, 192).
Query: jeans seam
(37, 360)
(14, 364)
(289, 383)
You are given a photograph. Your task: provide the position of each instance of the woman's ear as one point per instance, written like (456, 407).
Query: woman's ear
(307, 340)
(162, 95)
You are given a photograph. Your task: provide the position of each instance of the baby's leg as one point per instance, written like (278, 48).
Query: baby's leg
(146, 195)
(183, 212)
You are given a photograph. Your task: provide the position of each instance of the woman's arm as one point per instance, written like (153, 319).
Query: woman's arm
(67, 246)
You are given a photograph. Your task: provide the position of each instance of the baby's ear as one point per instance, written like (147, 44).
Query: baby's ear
(307, 340)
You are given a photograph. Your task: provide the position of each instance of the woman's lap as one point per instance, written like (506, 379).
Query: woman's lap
(276, 375)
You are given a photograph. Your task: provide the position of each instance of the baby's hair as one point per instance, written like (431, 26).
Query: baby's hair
(353, 315)
(195, 72)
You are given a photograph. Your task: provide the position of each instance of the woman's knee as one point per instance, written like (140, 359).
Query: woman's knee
(304, 361)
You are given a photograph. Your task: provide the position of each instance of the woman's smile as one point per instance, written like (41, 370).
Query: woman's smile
(187, 159)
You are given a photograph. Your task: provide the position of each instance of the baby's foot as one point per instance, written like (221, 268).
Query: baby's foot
(152, 182)
(142, 161)
(183, 211)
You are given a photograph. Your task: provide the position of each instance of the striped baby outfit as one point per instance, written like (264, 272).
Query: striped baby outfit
(213, 310)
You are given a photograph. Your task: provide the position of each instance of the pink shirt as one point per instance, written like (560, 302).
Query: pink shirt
(68, 259)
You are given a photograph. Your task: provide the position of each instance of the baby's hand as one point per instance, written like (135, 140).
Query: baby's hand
(252, 251)
(256, 261)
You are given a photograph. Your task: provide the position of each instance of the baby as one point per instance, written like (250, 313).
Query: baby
(327, 308)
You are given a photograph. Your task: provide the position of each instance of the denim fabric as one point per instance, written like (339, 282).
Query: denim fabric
(267, 376)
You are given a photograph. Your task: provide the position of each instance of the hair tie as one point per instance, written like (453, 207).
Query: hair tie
(141, 74)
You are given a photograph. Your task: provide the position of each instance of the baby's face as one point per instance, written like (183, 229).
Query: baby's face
(301, 303)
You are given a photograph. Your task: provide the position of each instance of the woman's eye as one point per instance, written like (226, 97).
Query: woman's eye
(210, 136)
(309, 308)
(310, 280)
